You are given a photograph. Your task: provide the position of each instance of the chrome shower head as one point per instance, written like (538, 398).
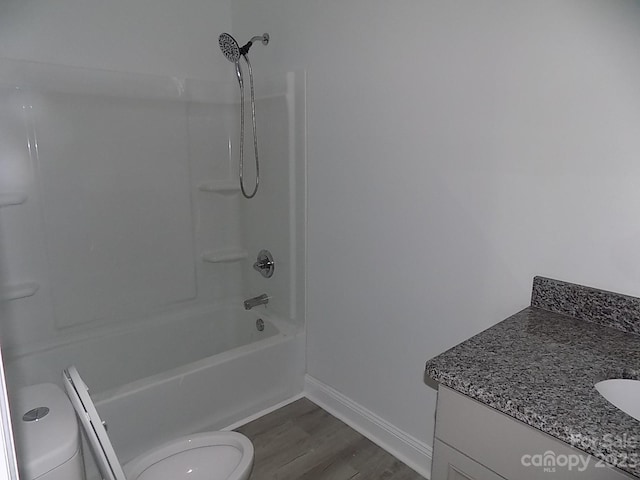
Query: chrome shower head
(229, 47)
(233, 51)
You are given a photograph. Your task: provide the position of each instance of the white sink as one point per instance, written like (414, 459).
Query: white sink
(624, 394)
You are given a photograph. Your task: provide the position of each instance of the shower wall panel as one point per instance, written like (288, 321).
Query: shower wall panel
(114, 175)
(277, 220)
(103, 221)
(269, 217)
(128, 202)
(211, 127)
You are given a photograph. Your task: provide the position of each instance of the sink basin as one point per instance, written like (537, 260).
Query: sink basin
(624, 394)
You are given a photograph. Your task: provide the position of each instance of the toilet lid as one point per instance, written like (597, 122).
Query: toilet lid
(99, 442)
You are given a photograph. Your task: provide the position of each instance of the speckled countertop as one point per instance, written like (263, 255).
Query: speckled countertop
(540, 367)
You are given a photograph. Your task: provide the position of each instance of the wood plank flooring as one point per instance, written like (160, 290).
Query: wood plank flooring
(303, 442)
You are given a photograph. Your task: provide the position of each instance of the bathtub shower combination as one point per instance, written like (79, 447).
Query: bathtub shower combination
(129, 251)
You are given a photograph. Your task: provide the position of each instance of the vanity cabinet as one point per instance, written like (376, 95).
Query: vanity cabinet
(476, 442)
(450, 464)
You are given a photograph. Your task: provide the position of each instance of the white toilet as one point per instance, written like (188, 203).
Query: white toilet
(48, 442)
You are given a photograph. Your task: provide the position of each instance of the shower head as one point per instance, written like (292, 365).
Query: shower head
(232, 51)
(229, 47)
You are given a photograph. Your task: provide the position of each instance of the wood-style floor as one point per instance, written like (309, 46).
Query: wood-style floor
(303, 442)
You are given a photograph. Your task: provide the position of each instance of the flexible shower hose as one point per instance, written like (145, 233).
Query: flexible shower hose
(255, 135)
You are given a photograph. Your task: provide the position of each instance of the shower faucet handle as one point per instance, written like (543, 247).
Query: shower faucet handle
(265, 264)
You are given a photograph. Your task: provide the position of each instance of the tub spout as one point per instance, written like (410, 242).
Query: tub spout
(255, 301)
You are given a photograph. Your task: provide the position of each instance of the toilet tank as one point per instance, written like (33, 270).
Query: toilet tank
(46, 433)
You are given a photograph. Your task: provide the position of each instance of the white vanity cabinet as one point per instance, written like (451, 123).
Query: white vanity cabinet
(476, 442)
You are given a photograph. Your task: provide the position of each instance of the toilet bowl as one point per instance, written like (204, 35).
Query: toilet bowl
(203, 456)
(206, 456)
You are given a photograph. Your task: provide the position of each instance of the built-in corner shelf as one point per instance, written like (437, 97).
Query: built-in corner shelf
(8, 199)
(223, 188)
(18, 290)
(224, 255)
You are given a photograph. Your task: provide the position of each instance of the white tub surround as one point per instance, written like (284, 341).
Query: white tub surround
(116, 259)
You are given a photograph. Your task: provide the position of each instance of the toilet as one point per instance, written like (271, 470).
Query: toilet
(48, 441)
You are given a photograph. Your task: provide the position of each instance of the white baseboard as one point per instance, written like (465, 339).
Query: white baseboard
(404, 447)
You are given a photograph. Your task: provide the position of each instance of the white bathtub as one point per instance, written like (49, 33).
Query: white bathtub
(159, 380)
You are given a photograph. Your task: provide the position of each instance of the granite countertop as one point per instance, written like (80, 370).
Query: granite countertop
(540, 367)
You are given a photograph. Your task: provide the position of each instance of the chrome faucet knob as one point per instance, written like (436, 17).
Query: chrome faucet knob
(265, 264)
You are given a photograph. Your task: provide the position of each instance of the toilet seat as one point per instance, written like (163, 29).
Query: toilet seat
(204, 456)
(97, 437)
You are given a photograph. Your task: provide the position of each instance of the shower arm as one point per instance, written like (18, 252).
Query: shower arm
(264, 38)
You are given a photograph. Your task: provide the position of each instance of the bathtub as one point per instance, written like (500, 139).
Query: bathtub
(158, 380)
